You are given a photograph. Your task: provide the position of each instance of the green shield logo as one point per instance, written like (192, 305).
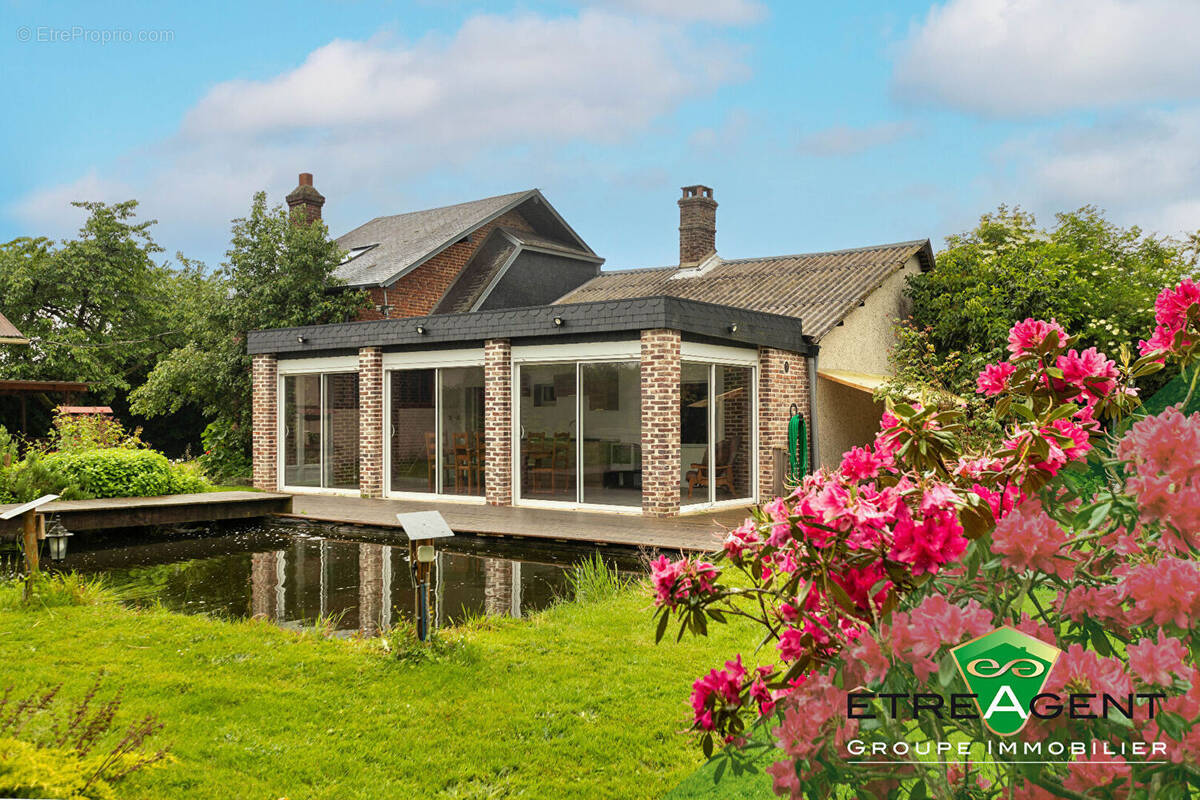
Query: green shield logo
(1005, 669)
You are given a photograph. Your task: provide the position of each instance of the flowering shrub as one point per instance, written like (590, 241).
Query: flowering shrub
(866, 576)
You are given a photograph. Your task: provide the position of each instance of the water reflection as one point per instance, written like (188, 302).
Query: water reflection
(296, 577)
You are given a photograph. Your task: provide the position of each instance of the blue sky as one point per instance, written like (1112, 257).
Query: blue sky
(820, 125)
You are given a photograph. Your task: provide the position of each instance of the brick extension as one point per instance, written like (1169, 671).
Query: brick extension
(777, 390)
(370, 421)
(660, 422)
(264, 382)
(497, 421)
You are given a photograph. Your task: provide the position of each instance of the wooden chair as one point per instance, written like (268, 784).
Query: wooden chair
(561, 462)
(722, 472)
(460, 463)
(539, 461)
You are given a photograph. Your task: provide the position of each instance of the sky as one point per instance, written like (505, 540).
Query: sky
(820, 126)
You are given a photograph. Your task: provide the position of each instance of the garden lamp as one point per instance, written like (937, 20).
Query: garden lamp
(422, 528)
(56, 537)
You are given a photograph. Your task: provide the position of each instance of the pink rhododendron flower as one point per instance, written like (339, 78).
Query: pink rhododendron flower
(1029, 539)
(742, 539)
(958, 775)
(928, 543)
(1036, 628)
(1084, 672)
(1171, 316)
(1026, 337)
(676, 581)
(1158, 662)
(918, 634)
(1161, 451)
(815, 715)
(1167, 592)
(1087, 776)
(860, 464)
(866, 663)
(719, 685)
(857, 583)
(1187, 750)
(1102, 604)
(1090, 372)
(994, 378)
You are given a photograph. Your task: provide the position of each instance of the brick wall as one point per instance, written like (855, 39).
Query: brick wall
(497, 399)
(777, 390)
(415, 294)
(370, 425)
(660, 422)
(264, 388)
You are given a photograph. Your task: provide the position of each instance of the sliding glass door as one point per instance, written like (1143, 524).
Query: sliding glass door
(580, 433)
(436, 431)
(716, 418)
(320, 430)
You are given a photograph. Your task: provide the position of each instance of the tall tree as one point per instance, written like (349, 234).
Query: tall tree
(97, 308)
(279, 273)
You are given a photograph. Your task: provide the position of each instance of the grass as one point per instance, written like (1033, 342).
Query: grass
(576, 701)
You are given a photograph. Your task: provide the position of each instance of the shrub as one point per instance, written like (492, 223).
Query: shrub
(122, 472)
(224, 452)
(74, 433)
(22, 481)
(868, 577)
(51, 747)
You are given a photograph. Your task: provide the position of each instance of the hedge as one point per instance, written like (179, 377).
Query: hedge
(124, 472)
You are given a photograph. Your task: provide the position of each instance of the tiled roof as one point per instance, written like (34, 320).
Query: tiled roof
(403, 241)
(820, 288)
(9, 333)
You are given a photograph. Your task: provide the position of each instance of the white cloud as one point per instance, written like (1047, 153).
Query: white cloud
(1033, 57)
(1143, 168)
(843, 140)
(369, 117)
(726, 12)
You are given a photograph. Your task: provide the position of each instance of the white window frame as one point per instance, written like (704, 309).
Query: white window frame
(713, 356)
(437, 360)
(579, 354)
(333, 365)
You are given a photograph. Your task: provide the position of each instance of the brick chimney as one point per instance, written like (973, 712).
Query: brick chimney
(697, 224)
(306, 198)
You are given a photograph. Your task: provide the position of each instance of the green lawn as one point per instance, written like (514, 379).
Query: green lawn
(576, 701)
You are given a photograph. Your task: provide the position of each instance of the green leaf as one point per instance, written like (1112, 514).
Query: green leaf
(664, 618)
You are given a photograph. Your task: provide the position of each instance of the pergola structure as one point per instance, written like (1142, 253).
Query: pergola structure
(23, 389)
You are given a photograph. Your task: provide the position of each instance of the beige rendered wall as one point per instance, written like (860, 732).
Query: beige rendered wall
(845, 416)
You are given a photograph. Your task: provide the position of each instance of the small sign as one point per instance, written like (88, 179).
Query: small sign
(32, 505)
(421, 525)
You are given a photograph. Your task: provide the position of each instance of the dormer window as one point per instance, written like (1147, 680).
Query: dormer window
(355, 252)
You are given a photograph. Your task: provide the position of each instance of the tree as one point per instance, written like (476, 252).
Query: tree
(97, 308)
(279, 273)
(1092, 276)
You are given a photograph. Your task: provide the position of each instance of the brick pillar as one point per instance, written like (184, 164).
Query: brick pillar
(497, 422)
(370, 588)
(264, 428)
(782, 380)
(370, 421)
(660, 423)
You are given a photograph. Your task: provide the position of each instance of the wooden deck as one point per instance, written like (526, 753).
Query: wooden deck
(701, 532)
(175, 509)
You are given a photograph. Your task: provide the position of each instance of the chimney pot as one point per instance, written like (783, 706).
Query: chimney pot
(307, 199)
(697, 224)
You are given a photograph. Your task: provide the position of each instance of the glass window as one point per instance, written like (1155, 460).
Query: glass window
(461, 411)
(341, 430)
(716, 419)
(693, 433)
(320, 430)
(302, 430)
(413, 427)
(611, 410)
(547, 455)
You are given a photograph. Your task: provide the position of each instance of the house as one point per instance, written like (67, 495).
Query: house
(499, 364)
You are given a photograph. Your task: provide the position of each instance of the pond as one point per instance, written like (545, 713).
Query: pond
(352, 579)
